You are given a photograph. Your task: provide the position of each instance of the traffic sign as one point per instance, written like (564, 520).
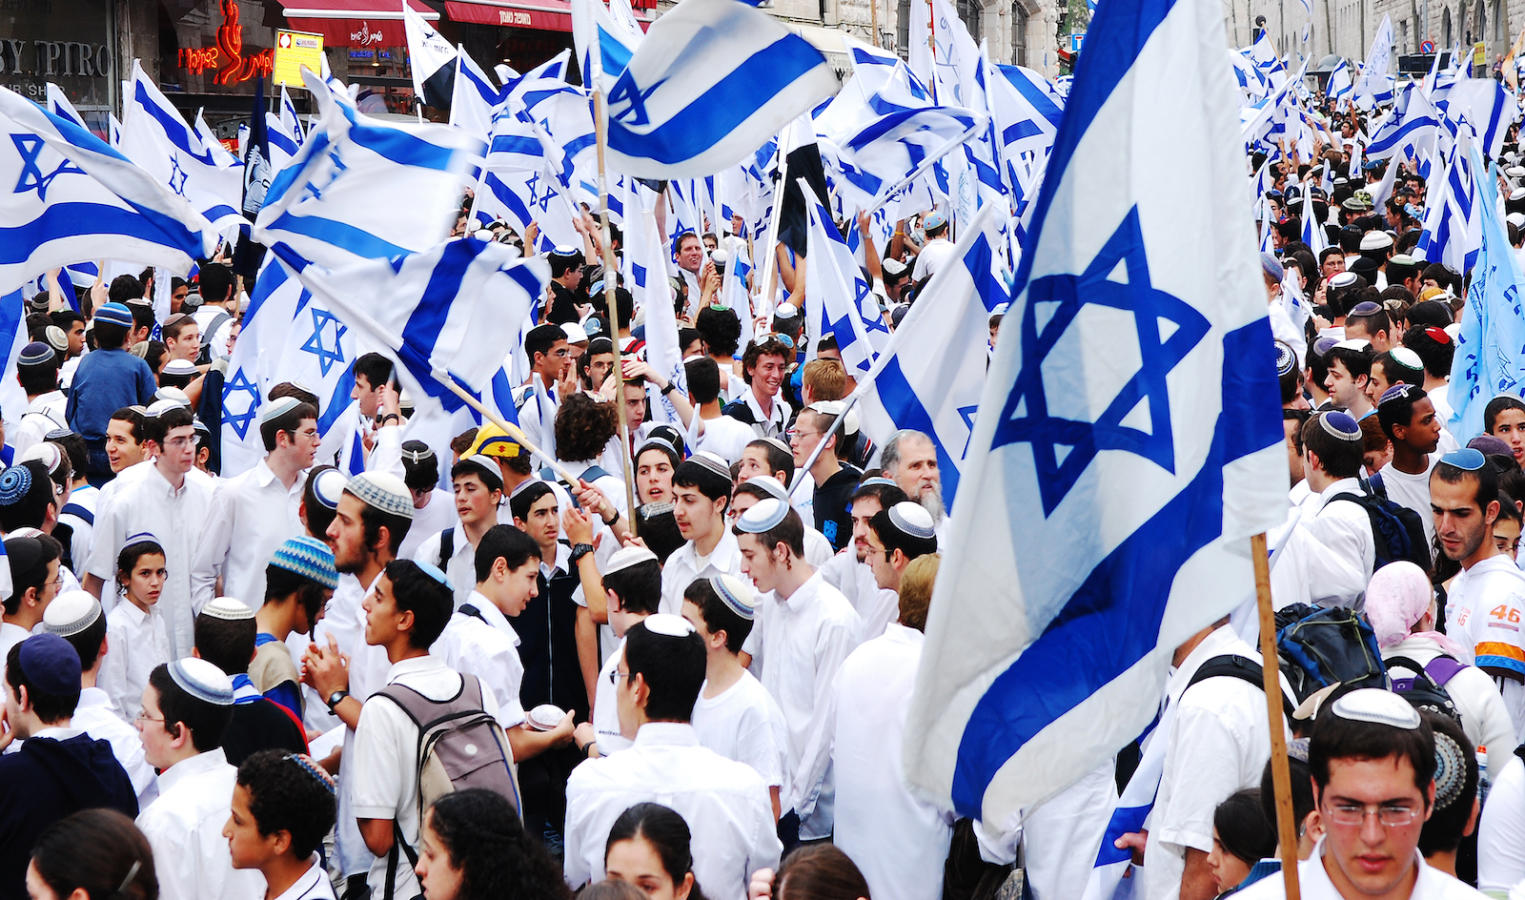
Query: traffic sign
(1075, 41)
(1427, 47)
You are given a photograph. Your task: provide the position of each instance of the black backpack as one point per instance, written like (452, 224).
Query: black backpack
(1397, 531)
(1327, 646)
(1426, 688)
(1232, 665)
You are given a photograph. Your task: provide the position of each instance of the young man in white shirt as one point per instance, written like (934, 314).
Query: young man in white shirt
(725, 803)
(765, 364)
(76, 617)
(805, 633)
(257, 509)
(723, 435)
(433, 506)
(632, 582)
(896, 536)
(479, 640)
(186, 707)
(701, 493)
(1487, 600)
(1373, 764)
(898, 841)
(850, 572)
(1408, 419)
(283, 805)
(167, 503)
(404, 614)
(34, 563)
(1337, 552)
(478, 486)
(38, 374)
(735, 715)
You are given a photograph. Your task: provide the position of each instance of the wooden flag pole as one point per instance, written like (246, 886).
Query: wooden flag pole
(509, 428)
(601, 129)
(1281, 774)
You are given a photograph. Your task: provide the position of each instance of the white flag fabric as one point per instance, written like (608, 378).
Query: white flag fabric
(337, 202)
(1107, 499)
(712, 81)
(68, 197)
(431, 59)
(645, 275)
(1375, 84)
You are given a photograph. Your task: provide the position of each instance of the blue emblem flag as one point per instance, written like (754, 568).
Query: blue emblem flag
(1128, 440)
(713, 81)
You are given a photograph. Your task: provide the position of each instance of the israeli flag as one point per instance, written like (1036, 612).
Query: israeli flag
(896, 147)
(431, 60)
(338, 202)
(59, 105)
(838, 300)
(65, 196)
(1340, 87)
(1487, 107)
(1109, 498)
(712, 82)
(444, 307)
(604, 44)
(518, 185)
(1411, 127)
(475, 96)
(156, 138)
(1487, 361)
(645, 274)
(1375, 84)
(931, 371)
(1451, 230)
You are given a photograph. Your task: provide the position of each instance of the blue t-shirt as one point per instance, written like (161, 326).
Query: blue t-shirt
(106, 381)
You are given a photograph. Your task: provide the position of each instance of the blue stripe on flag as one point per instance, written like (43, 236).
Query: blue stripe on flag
(906, 409)
(61, 221)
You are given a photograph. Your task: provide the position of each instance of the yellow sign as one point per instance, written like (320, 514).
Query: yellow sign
(1479, 53)
(293, 50)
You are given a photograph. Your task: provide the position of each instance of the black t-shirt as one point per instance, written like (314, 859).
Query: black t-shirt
(833, 513)
(261, 724)
(564, 304)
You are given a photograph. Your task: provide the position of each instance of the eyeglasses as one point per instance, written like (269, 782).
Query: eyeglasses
(139, 719)
(799, 432)
(1389, 814)
(616, 675)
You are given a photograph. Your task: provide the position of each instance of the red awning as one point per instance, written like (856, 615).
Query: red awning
(542, 15)
(353, 23)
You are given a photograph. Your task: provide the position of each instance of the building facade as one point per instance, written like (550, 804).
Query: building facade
(1345, 27)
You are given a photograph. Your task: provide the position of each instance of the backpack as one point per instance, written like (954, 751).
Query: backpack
(1327, 646)
(1232, 665)
(1397, 531)
(446, 548)
(1427, 688)
(460, 746)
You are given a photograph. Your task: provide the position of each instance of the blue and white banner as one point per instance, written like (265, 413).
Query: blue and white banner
(445, 307)
(713, 81)
(66, 197)
(838, 300)
(156, 138)
(1487, 107)
(1410, 127)
(1487, 361)
(1374, 86)
(1451, 231)
(1107, 501)
(604, 44)
(932, 369)
(645, 274)
(338, 201)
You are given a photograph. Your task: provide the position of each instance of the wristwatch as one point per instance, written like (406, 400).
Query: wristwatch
(335, 699)
(669, 389)
(579, 551)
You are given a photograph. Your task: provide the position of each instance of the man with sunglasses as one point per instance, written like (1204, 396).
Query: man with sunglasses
(257, 510)
(1373, 763)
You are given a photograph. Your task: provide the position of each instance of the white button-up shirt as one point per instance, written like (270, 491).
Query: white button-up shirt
(606, 712)
(136, 642)
(1218, 743)
(85, 497)
(685, 564)
(1338, 562)
(726, 805)
(876, 606)
(1315, 884)
(44, 413)
(804, 639)
(184, 827)
(486, 647)
(383, 766)
(1501, 829)
(898, 842)
(255, 515)
(725, 437)
(313, 885)
(95, 716)
(177, 518)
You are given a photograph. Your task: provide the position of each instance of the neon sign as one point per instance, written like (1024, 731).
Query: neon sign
(227, 58)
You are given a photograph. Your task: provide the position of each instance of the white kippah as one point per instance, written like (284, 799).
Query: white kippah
(1377, 707)
(382, 491)
(772, 486)
(628, 557)
(277, 408)
(71, 612)
(912, 519)
(228, 609)
(202, 680)
(668, 625)
(765, 515)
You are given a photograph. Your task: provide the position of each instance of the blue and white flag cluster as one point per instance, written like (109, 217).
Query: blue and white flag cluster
(1093, 439)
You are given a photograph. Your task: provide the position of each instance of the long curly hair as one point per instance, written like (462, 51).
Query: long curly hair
(484, 838)
(584, 426)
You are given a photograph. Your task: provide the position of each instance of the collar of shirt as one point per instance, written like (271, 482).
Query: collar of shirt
(200, 764)
(1343, 486)
(563, 562)
(42, 401)
(162, 485)
(135, 615)
(57, 733)
(305, 884)
(726, 556)
(492, 615)
(412, 666)
(666, 734)
(803, 595)
(778, 408)
(903, 634)
(91, 698)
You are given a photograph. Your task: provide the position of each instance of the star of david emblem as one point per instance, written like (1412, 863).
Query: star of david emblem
(329, 354)
(30, 147)
(1165, 329)
(868, 308)
(337, 166)
(239, 384)
(633, 111)
(177, 175)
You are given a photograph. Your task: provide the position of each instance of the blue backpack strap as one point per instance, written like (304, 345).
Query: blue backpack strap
(592, 474)
(79, 512)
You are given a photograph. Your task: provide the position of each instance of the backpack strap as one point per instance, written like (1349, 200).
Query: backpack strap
(1443, 668)
(1232, 665)
(1520, 752)
(468, 609)
(446, 547)
(592, 474)
(74, 509)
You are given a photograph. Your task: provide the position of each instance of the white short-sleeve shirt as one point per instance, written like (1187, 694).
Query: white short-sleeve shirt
(184, 827)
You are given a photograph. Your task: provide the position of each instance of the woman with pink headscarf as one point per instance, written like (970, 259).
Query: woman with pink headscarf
(1400, 604)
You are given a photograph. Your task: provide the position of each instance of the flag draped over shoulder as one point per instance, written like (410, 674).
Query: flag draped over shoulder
(1107, 498)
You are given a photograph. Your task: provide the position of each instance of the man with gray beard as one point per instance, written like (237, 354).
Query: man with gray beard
(910, 459)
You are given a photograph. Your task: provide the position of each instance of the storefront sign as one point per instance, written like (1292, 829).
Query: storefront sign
(53, 59)
(228, 58)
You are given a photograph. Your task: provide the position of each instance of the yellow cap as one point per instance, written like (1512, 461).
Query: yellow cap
(494, 441)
